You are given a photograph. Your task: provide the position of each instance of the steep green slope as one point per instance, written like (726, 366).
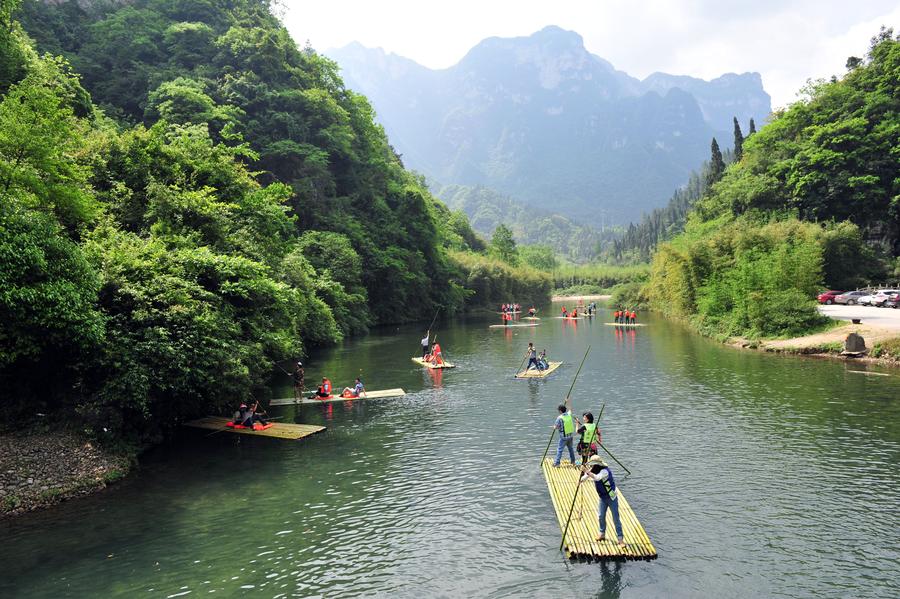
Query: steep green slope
(814, 199)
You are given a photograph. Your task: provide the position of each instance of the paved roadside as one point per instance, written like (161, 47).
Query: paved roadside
(884, 318)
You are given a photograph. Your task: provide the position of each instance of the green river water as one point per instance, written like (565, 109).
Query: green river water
(754, 475)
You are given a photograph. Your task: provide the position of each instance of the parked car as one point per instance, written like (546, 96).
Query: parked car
(893, 302)
(827, 297)
(876, 298)
(866, 300)
(850, 298)
(882, 296)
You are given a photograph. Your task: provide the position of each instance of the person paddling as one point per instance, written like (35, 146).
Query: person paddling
(299, 378)
(565, 426)
(531, 353)
(599, 472)
(565, 312)
(425, 344)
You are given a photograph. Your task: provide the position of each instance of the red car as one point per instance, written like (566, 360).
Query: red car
(827, 297)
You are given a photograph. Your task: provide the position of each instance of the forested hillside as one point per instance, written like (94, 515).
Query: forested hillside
(530, 224)
(812, 200)
(191, 201)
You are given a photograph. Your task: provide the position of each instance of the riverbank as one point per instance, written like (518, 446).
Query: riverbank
(882, 343)
(42, 469)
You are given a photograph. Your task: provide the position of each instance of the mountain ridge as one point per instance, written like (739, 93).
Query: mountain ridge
(543, 120)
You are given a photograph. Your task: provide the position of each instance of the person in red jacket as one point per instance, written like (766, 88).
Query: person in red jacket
(324, 390)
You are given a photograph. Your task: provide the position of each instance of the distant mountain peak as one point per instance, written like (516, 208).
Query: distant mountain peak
(542, 119)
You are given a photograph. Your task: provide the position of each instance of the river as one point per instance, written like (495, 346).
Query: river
(754, 475)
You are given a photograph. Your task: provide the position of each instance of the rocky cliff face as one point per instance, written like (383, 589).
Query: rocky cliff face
(542, 119)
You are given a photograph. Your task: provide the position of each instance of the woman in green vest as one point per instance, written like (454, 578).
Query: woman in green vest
(590, 436)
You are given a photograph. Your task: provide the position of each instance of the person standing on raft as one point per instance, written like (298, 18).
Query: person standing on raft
(299, 380)
(599, 472)
(425, 344)
(565, 426)
(590, 436)
(531, 353)
(531, 311)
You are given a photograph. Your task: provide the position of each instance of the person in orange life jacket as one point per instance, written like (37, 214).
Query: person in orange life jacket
(357, 390)
(565, 312)
(598, 471)
(590, 436)
(324, 390)
(565, 426)
(633, 317)
(616, 316)
(575, 313)
(436, 357)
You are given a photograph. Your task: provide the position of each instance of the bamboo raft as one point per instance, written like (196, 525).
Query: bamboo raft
(619, 324)
(422, 362)
(538, 374)
(532, 318)
(510, 326)
(581, 543)
(280, 430)
(569, 317)
(288, 401)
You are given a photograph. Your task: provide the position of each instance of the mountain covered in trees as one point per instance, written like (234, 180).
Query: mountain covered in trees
(809, 201)
(486, 209)
(188, 198)
(546, 122)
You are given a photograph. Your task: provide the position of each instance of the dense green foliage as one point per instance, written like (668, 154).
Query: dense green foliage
(594, 278)
(531, 225)
(239, 207)
(795, 213)
(492, 281)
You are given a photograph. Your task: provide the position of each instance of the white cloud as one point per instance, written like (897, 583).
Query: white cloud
(787, 41)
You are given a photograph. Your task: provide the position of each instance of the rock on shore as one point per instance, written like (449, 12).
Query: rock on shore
(39, 470)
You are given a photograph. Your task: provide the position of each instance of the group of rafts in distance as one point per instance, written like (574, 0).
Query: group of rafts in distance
(583, 539)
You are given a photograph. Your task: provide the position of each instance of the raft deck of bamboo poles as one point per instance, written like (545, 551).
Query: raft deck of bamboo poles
(581, 543)
(289, 401)
(279, 430)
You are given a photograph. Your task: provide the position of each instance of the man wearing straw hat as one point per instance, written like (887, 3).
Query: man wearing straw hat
(599, 472)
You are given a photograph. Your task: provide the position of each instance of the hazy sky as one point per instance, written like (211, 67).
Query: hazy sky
(788, 41)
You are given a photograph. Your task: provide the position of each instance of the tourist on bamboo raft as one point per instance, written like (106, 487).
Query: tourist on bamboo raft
(324, 390)
(531, 354)
(565, 426)
(542, 360)
(247, 415)
(436, 357)
(590, 436)
(531, 311)
(299, 379)
(426, 344)
(357, 389)
(599, 472)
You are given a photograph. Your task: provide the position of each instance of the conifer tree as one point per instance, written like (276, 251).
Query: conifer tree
(738, 141)
(752, 128)
(716, 163)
